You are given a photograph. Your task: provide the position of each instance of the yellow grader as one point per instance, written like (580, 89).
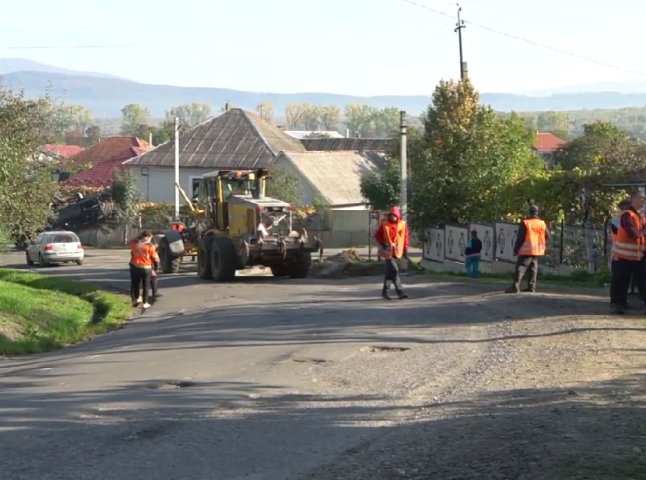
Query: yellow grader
(239, 228)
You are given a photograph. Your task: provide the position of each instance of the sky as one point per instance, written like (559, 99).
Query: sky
(355, 47)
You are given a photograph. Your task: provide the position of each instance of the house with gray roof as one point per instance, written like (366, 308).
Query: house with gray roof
(333, 178)
(236, 139)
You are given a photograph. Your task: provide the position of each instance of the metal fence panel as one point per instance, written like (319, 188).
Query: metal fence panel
(456, 241)
(486, 236)
(506, 234)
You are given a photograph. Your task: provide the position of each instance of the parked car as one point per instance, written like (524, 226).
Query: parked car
(55, 247)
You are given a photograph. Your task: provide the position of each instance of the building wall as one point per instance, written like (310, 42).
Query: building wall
(157, 184)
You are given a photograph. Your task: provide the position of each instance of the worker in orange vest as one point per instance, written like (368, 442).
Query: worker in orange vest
(628, 254)
(143, 255)
(392, 237)
(531, 241)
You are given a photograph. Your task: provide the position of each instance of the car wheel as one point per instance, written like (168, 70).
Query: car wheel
(30, 262)
(79, 262)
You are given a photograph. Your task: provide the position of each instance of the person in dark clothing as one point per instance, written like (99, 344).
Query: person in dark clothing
(154, 275)
(472, 255)
(531, 241)
(628, 254)
(392, 237)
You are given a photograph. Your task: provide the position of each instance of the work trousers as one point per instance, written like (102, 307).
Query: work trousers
(526, 264)
(392, 275)
(139, 277)
(622, 273)
(153, 284)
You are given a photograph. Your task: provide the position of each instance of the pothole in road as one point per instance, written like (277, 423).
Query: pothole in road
(383, 348)
(172, 384)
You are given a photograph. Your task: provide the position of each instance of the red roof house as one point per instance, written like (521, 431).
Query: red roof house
(547, 143)
(63, 151)
(104, 158)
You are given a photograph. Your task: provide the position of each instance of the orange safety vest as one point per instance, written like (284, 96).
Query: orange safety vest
(534, 244)
(626, 247)
(397, 243)
(143, 255)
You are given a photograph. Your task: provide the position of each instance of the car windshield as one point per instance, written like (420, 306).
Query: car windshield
(64, 238)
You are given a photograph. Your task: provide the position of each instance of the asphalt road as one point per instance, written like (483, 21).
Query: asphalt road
(262, 378)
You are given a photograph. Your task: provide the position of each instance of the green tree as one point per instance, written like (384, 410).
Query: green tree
(359, 119)
(125, 195)
(284, 185)
(557, 123)
(134, 117)
(381, 188)
(466, 160)
(27, 188)
(311, 116)
(190, 114)
(386, 122)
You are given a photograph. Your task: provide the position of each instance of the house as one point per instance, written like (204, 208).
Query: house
(334, 179)
(546, 145)
(301, 134)
(348, 144)
(236, 139)
(63, 151)
(101, 160)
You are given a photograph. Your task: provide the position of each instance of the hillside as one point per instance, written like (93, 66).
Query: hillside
(105, 96)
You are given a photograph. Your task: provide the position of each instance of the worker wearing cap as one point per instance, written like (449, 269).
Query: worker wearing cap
(531, 242)
(392, 236)
(628, 254)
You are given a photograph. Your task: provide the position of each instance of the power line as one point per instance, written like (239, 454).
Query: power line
(531, 42)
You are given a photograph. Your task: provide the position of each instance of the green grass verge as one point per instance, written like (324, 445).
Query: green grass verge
(41, 312)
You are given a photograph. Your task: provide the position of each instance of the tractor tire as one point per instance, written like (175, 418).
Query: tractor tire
(279, 270)
(301, 266)
(223, 259)
(204, 258)
(168, 263)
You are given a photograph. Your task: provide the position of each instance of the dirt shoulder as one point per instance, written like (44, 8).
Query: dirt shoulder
(554, 395)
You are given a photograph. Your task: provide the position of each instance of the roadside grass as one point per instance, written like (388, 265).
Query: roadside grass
(40, 313)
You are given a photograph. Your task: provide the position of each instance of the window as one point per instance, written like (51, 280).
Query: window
(65, 238)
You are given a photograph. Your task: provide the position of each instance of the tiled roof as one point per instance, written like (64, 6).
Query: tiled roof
(106, 159)
(234, 139)
(335, 175)
(64, 151)
(547, 142)
(110, 148)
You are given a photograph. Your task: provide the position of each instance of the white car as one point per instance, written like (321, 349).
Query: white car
(55, 247)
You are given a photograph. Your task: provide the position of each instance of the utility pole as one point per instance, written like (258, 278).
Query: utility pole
(459, 26)
(403, 192)
(177, 168)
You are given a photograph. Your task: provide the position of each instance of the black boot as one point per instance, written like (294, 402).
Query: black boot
(401, 295)
(384, 291)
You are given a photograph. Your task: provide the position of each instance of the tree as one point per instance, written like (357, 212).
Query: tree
(557, 123)
(134, 116)
(463, 165)
(359, 118)
(329, 116)
(386, 122)
(190, 114)
(381, 188)
(125, 196)
(93, 134)
(27, 188)
(293, 115)
(266, 111)
(310, 116)
(603, 147)
(284, 185)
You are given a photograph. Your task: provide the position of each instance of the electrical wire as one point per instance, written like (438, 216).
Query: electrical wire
(530, 42)
(65, 47)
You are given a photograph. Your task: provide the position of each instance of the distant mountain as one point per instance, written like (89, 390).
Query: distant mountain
(12, 65)
(106, 96)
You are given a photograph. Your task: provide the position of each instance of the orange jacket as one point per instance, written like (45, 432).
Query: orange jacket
(143, 254)
(534, 244)
(627, 247)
